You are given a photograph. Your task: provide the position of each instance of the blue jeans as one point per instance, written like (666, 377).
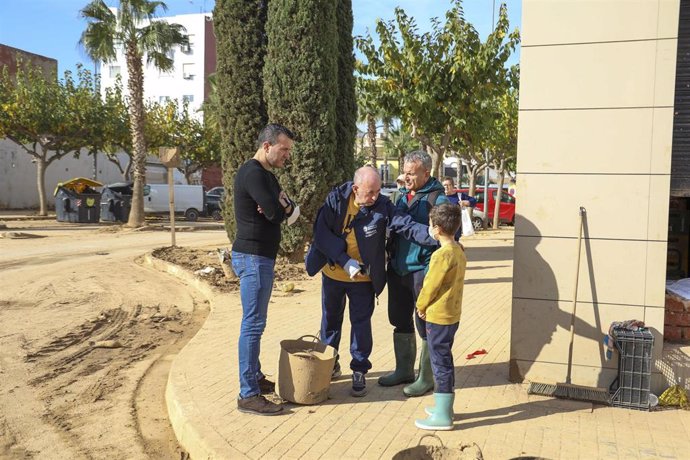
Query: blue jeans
(256, 284)
(361, 297)
(440, 338)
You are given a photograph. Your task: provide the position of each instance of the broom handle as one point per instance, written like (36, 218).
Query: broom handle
(577, 278)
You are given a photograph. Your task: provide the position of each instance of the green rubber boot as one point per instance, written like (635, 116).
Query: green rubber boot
(442, 417)
(425, 379)
(405, 347)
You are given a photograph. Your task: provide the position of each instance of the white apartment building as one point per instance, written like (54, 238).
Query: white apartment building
(188, 81)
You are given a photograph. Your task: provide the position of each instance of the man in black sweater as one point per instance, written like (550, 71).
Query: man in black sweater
(260, 207)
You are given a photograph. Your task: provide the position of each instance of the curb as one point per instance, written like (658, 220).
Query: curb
(10, 217)
(183, 414)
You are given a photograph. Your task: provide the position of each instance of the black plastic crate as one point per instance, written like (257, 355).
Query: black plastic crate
(632, 386)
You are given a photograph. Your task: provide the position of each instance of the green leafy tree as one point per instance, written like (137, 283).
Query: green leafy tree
(346, 100)
(476, 164)
(91, 112)
(504, 138)
(237, 104)
(134, 28)
(109, 134)
(48, 118)
(173, 125)
(300, 87)
(117, 135)
(439, 80)
(211, 106)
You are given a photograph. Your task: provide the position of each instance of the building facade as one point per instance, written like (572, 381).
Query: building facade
(188, 81)
(596, 123)
(9, 57)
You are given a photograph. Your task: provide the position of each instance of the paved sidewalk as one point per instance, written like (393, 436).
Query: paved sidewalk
(490, 411)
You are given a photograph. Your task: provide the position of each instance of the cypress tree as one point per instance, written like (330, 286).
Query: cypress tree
(346, 99)
(300, 88)
(239, 27)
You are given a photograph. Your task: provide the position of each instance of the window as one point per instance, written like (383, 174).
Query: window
(163, 99)
(187, 71)
(189, 48)
(189, 98)
(505, 196)
(113, 71)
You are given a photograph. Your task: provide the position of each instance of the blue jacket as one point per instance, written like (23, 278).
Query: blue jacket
(370, 227)
(457, 197)
(407, 256)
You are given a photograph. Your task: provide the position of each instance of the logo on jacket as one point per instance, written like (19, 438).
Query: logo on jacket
(369, 230)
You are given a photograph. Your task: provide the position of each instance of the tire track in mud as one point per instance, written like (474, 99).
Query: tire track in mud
(82, 374)
(80, 403)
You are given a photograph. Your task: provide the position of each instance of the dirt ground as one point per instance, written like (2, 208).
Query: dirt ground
(87, 335)
(195, 259)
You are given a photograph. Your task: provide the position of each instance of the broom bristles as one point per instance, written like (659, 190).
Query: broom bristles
(569, 391)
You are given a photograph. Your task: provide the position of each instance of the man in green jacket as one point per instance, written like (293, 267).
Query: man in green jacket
(408, 264)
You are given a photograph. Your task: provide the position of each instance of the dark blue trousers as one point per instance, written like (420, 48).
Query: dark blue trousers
(402, 302)
(440, 339)
(361, 301)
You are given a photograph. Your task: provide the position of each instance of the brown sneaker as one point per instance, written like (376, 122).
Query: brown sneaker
(266, 386)
(258, 405)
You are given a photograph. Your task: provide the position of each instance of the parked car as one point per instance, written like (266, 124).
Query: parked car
(507, 209)
(477, 219)
(216, 191)
(214, 203)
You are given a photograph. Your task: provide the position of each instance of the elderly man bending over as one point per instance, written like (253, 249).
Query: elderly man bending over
(349, 249)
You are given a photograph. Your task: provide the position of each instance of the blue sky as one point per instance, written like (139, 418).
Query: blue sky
(53, 27)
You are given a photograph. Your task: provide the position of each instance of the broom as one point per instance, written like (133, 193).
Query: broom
(568, 390)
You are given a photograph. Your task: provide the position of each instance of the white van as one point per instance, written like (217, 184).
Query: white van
(189, 200)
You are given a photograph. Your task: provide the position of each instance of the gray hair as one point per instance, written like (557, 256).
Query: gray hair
(420, 156)
(362, 172)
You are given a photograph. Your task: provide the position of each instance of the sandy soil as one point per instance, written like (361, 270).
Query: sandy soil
(87, 335)
(195, 259)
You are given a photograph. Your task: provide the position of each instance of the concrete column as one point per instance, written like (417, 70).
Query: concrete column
(595, 130)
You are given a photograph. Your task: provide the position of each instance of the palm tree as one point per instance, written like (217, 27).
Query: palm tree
(133, 28)
(367, 109)
(211, 106)
(399, 141)
(386, 122)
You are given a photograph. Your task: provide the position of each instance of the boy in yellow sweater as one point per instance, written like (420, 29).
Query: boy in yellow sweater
(439, 304)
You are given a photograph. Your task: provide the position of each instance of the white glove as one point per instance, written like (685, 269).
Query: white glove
(294, 216)
(352, 268)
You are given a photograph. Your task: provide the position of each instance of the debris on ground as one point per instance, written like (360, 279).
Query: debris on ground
(675, 396)
(205, 271)
(106, 344)
(193, 259)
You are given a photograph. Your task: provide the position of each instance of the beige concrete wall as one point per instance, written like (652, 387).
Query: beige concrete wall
(595, 130)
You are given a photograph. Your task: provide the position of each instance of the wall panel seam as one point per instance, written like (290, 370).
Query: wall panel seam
(599, 42)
